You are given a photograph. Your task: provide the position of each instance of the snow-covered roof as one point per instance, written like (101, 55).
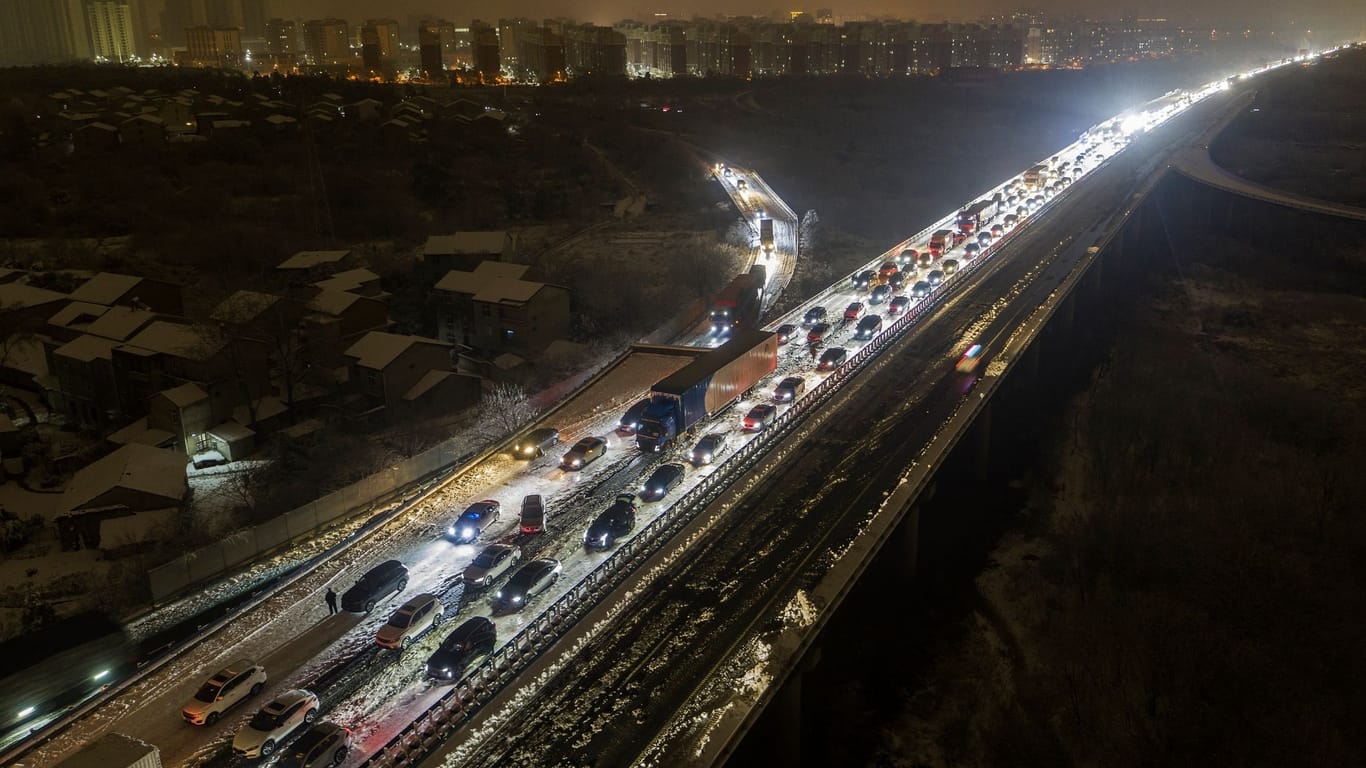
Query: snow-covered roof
(472, 243)
(21, 296)
(377, 349)
(155, 473)
(110, 749)
(175, 339)
(105, 288)
(495, 282)
(332, 302)
(310, 259)
(231, 431)
(266, 408)
(424, 385)
(98, 126)
(121, 322)
(280, 119)
(184, 395)
(349, 280)
(139, 432)
(86, 348)
(243, 306)
(146, 118)
(77, 311)
(507, 361)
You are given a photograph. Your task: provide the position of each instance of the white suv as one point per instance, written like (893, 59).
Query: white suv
(227, 688)
(274, 723)
(410, 622)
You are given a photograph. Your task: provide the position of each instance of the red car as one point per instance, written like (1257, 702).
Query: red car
(854, 311)
(898, 305)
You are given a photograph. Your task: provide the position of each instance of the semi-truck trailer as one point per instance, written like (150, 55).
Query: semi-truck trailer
(1036, 176)
(972, 218)
(709, 384)
(766, 234)
(738, 303)
(940, 242)
(114, 750)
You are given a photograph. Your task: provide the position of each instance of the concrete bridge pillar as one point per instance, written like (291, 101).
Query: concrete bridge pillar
(787, 721)
(908, 555)
(981, 428)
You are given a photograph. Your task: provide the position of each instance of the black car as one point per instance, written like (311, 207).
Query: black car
(664, 479)
(464, 644)
(616, 521)
(868, 327)
(536, 442)
(813, 316)
(530, 580)
(832, 358)
(789, 389)
(785, 333)
(880, 294)
(389, 576)
(630, 421)
(712, 445)
(862, 280)
(325, 744)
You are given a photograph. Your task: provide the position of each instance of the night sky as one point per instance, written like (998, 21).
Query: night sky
(1341, 13)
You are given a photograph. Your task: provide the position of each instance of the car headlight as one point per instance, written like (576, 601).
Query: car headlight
(706, 457)
(450, 531)
(575, 463)
(517, 599)
(602, 539)
(467, 532)
(499, 595)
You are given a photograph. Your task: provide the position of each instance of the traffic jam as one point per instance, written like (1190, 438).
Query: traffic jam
(515, 548)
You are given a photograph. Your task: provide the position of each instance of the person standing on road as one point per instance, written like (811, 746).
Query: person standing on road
(331, 598)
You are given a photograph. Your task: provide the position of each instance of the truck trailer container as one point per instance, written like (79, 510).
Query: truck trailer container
(1036, 176)
(738, 304)
(766, 234)
(706, 386)
(940, 242)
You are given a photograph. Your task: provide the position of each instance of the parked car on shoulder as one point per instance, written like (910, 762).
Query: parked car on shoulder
(533, 513)
(389, 577)
(476, 518)
(935, 278)
(920, 290)
(949, 266)
(275, 723)
(535, 443)
(530, 580)
(664, 479)
(325, 744)
(584, 452)
(410, 622)
(712, 446)
(489, 565)
(467, 642)
(227, 688)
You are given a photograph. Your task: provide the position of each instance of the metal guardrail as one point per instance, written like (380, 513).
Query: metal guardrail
(427, 731)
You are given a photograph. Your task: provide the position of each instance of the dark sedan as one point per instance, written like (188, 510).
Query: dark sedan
(465, 643)
(530, 580)
(663, 480)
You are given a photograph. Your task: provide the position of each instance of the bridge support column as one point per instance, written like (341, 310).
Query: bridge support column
(1029, 363)
(982, 429)
(787, 722)
(908, 535)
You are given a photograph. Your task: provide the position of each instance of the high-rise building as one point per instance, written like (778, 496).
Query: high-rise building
(253, 19)
(327, 41)
(379, 45)
(540, 55)
(435, 42)
(484, 50)
(213, 46)
(282, 37)
(178, 16)
(593, 50)
(42, 32)
(110, 23)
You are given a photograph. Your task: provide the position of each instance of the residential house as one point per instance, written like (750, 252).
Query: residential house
(336, 320)
(96, 137)
(143, 130)
(112, 289)
(495, 310)
(309, 266)
(135, 480)
(392, 372)
(466, 250)
(165, 355)
(73, 320)
(84, 388)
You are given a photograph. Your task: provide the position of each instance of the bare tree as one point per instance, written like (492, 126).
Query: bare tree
(504, 409)
(809, 231)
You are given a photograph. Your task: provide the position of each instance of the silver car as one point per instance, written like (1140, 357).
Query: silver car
(410, 622)
(493, 562)
(274, 723)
